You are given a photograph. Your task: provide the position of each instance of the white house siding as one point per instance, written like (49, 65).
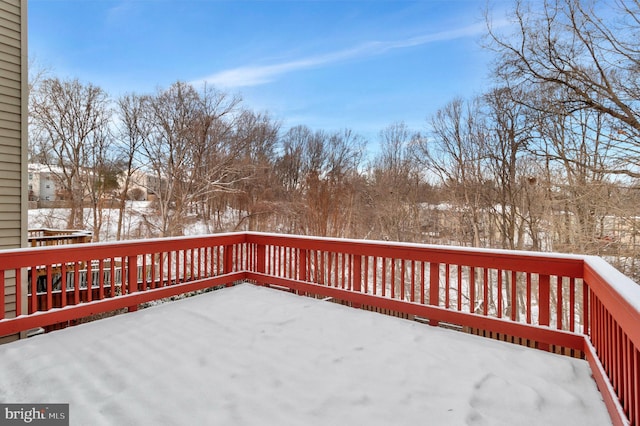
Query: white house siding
(13, 134)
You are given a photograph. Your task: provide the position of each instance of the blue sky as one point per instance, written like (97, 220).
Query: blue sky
(361, 64)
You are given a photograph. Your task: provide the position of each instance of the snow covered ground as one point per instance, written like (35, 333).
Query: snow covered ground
(138, 221)
(254, 356)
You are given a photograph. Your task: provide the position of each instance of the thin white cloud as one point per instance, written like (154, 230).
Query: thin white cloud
(262, 74)
(119, 12)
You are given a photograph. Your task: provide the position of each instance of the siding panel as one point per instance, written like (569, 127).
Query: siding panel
(10, 121)
(9, 210)
(13, 80)
(10, 224)
(10, 100)
(10, 79)
(12, 92)
(8, 57)
(8, 233)
(9, 66)
(12, 175)
(11, 167)
(9, 41)
(11, 23)
(12, 191)
(8, 134)
(9, 149)
(11, 109)
(10, 9)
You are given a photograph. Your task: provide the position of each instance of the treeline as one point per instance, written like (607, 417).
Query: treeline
(546, 160)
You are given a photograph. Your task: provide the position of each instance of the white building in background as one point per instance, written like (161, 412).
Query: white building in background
(45, 186)
(43, 183)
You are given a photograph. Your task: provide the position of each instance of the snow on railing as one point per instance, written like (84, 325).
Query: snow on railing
(574, 305)
(42, 237)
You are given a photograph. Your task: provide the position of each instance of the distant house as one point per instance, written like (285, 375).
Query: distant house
(137, 185)
(44, 184)
(46, 189)
(143, 186)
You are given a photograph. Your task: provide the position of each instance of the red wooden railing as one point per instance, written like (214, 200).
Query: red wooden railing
(575, 305)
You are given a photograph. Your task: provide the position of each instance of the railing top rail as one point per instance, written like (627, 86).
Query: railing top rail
(407, 244)
(326, 241)
(28, 256)
(625, 286)
(59, 232)
(524, 261)
(619, 293)
(603, 276)
(58, 237)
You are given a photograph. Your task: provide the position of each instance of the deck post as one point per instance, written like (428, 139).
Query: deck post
(228, 261)
(261, 258)
(302, 265)
(2, 290)
(132, 278)
(544, 284)
(302, 268)
(357, 276)
(434, 287)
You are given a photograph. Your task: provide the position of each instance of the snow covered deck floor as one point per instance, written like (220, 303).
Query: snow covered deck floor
(248, 355)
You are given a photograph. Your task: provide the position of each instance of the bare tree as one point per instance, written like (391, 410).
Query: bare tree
(578, 150)
(588, 50)
(396, 186)
(101, 178)
(70, 118)
(332, 162)
(256, 134)
(317, 172)
(456, 153)
(509, 132)
(37, 74)
(189, 151)
(133, 130)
